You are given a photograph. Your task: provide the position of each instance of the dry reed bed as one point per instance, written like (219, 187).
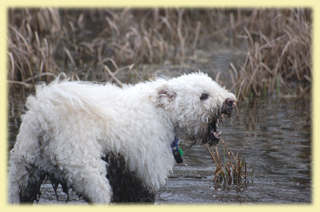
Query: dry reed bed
(280, 53)
(113, 44)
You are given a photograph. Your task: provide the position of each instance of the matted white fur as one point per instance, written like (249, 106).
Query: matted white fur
(70, 126)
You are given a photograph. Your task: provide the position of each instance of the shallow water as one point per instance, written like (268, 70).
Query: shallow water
(274, 136)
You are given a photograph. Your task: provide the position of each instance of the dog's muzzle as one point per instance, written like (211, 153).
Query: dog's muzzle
(228, 106)
(212, 136)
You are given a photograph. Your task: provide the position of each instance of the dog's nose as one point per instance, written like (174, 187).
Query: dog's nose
(229, 101)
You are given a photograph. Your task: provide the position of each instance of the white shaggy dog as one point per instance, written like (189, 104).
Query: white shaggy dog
(112, 144)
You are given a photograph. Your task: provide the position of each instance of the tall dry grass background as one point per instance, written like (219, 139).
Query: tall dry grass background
(270, 48)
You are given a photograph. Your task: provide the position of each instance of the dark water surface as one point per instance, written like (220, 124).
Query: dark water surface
(274, 136)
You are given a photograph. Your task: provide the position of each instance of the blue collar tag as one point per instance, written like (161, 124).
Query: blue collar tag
(177, 152)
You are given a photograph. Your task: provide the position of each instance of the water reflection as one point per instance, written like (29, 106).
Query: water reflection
(273, 134)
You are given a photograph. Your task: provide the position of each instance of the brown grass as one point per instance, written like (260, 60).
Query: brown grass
(230, 168)
(116, 44)
(279, 52)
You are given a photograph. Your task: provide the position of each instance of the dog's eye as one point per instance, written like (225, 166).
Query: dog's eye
(204, 96)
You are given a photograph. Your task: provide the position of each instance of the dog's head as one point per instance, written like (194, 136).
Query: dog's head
(196, 105)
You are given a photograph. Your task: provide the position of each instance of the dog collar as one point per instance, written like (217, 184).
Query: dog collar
(177, 152)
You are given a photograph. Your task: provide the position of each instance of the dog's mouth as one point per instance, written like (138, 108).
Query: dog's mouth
(212, 136)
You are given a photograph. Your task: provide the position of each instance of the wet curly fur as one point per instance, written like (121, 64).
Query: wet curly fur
(109, 144)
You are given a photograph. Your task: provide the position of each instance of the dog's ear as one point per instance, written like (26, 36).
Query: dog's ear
(164, 95)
